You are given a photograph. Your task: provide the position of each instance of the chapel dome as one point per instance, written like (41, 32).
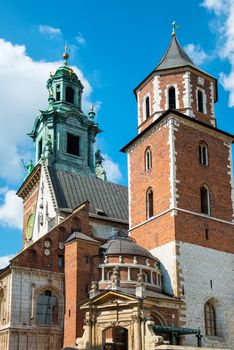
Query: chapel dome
(121, 244)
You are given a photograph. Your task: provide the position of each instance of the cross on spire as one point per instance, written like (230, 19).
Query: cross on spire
(174, 27)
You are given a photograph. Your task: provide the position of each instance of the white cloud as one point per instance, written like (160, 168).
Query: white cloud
(113, 172)
(215, 5)
(11, 210)
(24, 93)
(196, 53)
(224, 11)
(80, 39)
(49, 32)
(4, 260)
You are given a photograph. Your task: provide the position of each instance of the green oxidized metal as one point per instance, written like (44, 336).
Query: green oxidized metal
(64, 116)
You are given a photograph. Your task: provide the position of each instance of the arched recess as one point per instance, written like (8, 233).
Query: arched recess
(158, 319)
(115, 335)
(213, 318)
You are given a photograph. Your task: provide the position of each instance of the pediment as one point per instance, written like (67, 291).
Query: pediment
(111, 297)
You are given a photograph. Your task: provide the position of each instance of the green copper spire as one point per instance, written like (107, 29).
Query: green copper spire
(63, 133)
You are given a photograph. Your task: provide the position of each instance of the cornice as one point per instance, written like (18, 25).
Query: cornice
(30, 183)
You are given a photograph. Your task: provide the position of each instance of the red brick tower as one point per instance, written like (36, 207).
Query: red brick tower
(180, 184)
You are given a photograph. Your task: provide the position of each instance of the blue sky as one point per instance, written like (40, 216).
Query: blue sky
(114, 44)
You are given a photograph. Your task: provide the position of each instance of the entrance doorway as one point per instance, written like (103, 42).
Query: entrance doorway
(115, 338)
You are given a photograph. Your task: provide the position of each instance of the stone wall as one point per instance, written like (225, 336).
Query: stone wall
(201, 274)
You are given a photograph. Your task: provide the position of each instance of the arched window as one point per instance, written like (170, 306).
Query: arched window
(203, 154)
(148, 159)
(149, 203)
(69, 94)
(210, 319)
(47, 308)
(200, 106)
(171, 98)
(147, 107)
(205, 200)
(58, 92)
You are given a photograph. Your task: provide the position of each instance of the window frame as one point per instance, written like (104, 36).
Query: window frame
(148, 159)
(169, 97)
(145, 115)
(149, 203)
(50, 310)
(58, 92)
(203, 205)
(69, 135)
(203, 154)
(210, 319)
(202, 93)
(69, 94)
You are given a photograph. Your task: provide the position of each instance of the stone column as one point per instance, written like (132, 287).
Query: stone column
(137, 332)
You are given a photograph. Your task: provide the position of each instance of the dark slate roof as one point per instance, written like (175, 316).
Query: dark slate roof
(80, 235)
(106, 198)
(121, 244)
(175, 57)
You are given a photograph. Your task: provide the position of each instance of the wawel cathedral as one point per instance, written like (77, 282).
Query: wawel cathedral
(104, 266)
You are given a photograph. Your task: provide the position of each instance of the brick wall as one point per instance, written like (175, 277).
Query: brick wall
(186, 95)
(191, 174)
(157, 177)
(78, 278)
(35, 257)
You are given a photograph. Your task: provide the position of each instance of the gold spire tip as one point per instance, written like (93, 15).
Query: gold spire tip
(66, 55)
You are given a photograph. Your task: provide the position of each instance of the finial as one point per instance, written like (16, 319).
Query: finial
(91, 112)
(65, 55)
(174, 27)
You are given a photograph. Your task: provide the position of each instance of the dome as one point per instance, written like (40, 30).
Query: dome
(122, 244)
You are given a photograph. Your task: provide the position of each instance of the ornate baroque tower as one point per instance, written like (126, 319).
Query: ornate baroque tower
(63, 134)
(180, 186)
(64, 138)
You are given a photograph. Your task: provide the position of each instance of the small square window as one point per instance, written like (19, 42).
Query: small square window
(73, 144)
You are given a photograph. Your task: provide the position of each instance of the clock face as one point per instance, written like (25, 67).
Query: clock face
(29, 227)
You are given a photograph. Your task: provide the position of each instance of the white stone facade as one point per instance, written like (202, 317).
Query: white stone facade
(46, 205)
(201, 274)
(20, 330)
